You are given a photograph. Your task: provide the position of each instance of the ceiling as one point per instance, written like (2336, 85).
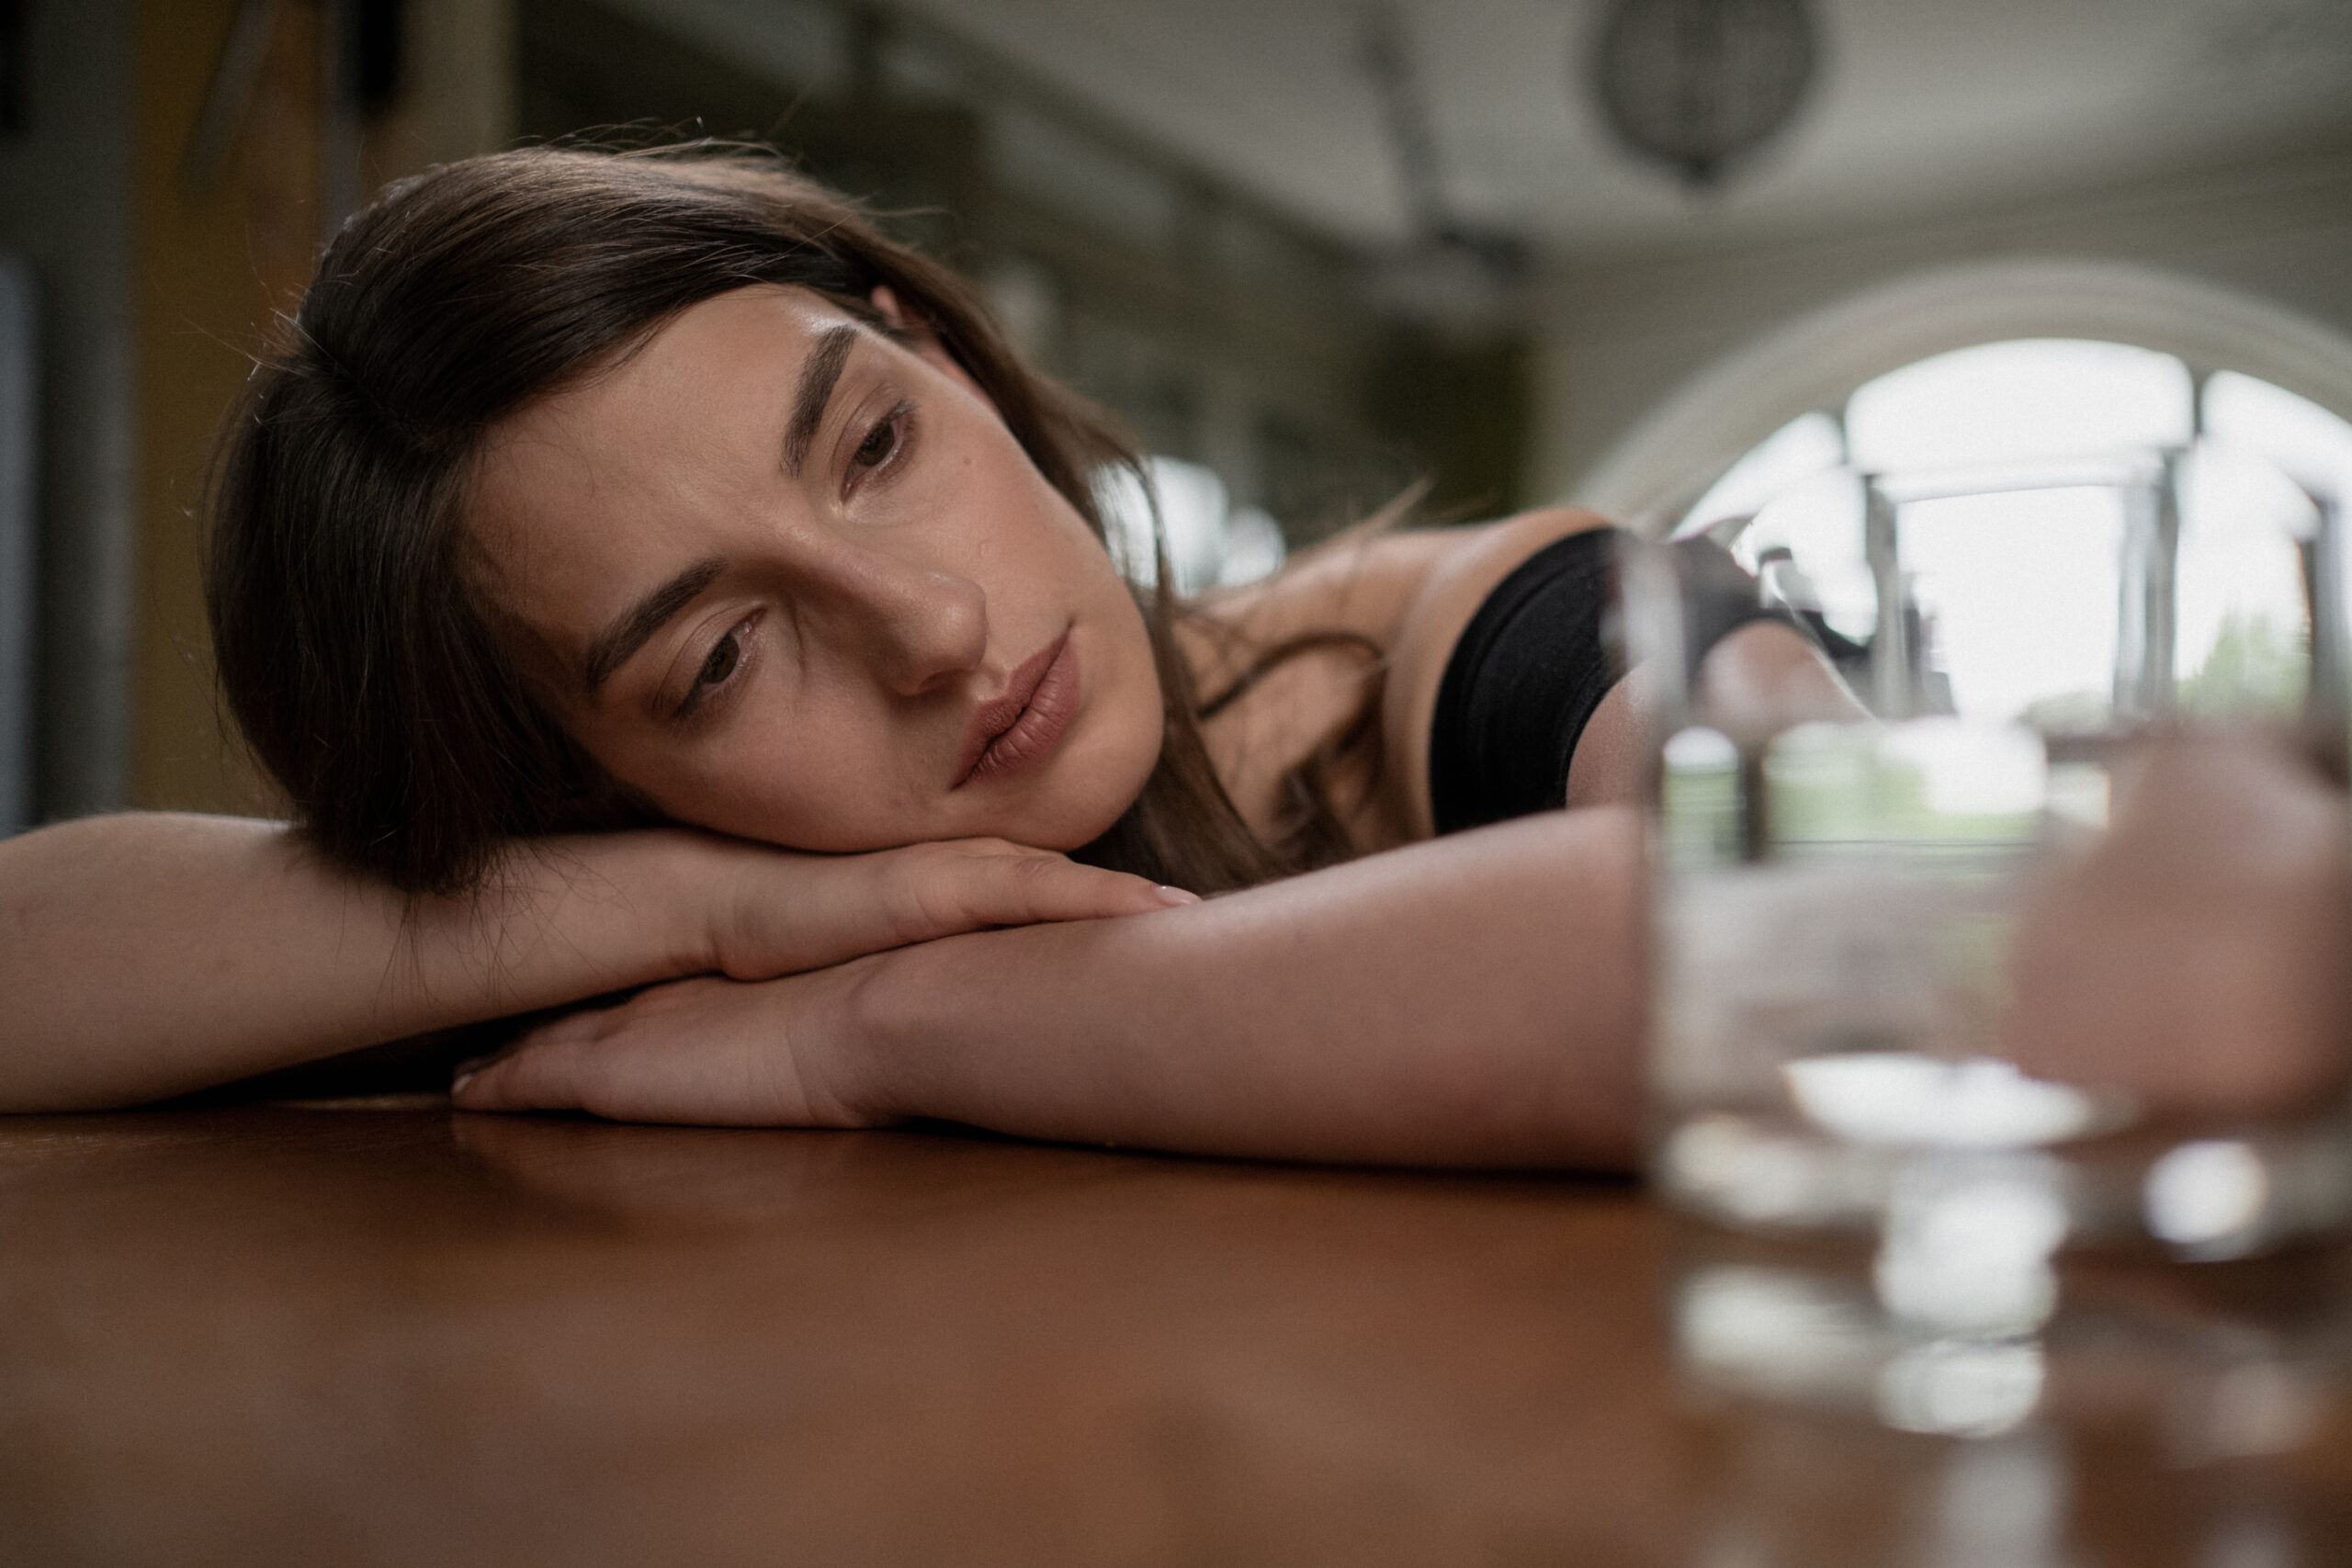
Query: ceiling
(1920, 103)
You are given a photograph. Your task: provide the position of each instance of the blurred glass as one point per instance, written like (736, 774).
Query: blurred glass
(2024, 560)
(2169, 1414)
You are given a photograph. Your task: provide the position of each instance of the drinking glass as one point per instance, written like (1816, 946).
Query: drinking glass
(1837, 899)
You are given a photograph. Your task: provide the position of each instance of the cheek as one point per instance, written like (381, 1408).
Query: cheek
(1130, 726)
(761, 780)
(834, 811)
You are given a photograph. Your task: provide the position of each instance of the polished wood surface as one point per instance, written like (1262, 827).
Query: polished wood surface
(399, 1335)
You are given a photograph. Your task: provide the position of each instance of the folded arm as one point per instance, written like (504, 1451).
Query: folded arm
(1475, 1000)
(146, 954)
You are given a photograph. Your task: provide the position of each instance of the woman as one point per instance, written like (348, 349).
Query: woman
(638, 573)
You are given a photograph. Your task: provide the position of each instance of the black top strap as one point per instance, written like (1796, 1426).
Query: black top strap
(1535, 663)
(1524, 678)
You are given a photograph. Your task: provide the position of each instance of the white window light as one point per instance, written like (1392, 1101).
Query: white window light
(1210, 543)
(2022, 587)
(2022, 401)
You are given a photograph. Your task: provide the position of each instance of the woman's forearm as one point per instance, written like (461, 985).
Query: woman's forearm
(1475, 1000)
(142, 955)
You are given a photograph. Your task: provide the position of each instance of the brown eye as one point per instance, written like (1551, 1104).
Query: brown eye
(722, 660)
(879, 443)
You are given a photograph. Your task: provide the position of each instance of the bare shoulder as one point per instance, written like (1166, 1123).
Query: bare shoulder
(1405, 595)
(1356, 583)
(1348, 595)
(1428, 625)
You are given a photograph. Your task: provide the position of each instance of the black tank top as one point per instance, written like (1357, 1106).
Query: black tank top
(1537, 658)
(1529, 670)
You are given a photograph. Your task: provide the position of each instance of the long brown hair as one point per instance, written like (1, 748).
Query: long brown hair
(366, 675)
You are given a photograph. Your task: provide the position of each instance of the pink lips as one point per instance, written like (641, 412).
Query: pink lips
(1010, 732)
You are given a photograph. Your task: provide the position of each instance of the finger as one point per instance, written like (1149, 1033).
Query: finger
(839, 908)
(537, 1075)
(1020, 886)
(546, 1081)
(578, 1023)
(710, 1052)
(903, 896)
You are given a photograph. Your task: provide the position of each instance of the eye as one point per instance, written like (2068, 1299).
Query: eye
(722, 660)
(719, 666)
(884, 443)
(879, 443)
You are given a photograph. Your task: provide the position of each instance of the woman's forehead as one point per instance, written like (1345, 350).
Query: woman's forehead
(764, 332)
(578, 493)
(717, 373)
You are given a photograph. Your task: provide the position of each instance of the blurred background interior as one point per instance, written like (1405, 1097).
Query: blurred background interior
(1313, 251)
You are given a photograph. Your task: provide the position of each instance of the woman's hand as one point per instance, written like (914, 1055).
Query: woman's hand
(1473, 1001)
(777, 912)
(740, 1046)
(230, 947)
(711, 1052)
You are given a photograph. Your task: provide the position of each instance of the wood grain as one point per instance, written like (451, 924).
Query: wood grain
(400, 1336)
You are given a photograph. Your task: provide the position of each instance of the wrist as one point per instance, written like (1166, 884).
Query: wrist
(860, 1036)
(691, 882)
(638, 907)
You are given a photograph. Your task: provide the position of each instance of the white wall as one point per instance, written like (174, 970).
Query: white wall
(1617, 335)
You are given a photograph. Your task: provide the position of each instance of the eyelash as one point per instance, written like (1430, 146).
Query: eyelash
(739, 635)
(899, 422)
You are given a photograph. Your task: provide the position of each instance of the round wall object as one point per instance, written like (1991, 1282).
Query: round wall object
(1697, 83)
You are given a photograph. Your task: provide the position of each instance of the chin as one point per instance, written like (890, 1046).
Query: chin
(1092, 789)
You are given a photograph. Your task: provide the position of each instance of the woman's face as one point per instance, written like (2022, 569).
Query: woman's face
(785, 577)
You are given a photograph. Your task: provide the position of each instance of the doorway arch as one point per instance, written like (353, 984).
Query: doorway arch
(1668, 460)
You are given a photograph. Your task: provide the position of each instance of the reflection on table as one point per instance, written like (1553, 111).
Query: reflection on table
(2012, 1411)
(399, 1335)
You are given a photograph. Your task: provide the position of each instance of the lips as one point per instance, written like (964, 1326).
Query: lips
(1010, 732)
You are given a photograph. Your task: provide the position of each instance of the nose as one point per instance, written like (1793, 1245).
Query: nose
(916, 627)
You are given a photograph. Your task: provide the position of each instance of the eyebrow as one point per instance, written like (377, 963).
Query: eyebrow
(629, 631)
(818, 377)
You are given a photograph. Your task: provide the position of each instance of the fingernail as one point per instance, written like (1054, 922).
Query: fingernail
(466, 1071)
(1176, 896)
(472, 1065)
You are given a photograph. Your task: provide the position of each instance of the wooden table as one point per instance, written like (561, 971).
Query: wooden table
(276, 1336)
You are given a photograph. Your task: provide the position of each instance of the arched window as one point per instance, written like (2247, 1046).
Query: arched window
(1652, 473)
(2080, 532)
